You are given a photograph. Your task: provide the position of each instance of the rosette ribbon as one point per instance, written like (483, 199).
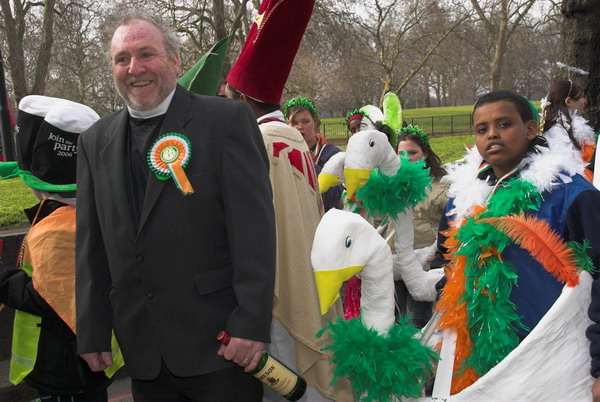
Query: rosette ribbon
(168, 157)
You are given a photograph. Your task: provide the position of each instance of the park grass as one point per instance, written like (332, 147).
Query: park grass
(449, 149)
(419, 113)
(426, 112)
(435, 121)
(14, 197)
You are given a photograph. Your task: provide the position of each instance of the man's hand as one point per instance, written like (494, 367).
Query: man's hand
(98, 361)
(596, 390)
(245, 353)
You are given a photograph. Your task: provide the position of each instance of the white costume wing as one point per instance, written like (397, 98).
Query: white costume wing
(551, 364)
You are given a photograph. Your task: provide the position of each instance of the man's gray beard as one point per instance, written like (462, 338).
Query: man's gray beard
(135, 105)
(140, 107)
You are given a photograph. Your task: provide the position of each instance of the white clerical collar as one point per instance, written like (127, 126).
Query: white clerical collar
(157, 111)
(270, 118)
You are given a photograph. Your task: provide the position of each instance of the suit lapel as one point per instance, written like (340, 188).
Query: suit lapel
(177, 116)
(113, 161)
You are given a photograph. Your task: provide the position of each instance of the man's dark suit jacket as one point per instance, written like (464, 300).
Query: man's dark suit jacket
(196, 264)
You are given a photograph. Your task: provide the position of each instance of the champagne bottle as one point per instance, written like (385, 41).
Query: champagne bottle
(275, 374)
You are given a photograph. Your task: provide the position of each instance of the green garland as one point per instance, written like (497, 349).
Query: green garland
(353, 113)
(390, 195)
(417, 132)
(492, 321)
(302, 102)
(581, 256)
(379, 367)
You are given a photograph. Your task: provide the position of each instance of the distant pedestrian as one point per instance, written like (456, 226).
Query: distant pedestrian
(562, 121)
(302, 114)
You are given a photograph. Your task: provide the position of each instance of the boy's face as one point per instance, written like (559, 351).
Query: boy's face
(501, 137)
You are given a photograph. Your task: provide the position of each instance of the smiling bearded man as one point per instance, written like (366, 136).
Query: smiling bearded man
(167, 255)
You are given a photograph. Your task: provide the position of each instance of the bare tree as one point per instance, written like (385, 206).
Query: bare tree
(15, 22)
(204, 22)
(80, 69)
(500, 20)
(393, 27)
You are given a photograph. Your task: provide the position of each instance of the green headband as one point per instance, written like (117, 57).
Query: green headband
(417, 132)
(302, 102)
(354, 113)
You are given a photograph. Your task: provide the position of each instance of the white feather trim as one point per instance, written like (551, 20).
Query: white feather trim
(545, 170)
(581, 129)
(562, 147)
(544, 103)
(465, 188)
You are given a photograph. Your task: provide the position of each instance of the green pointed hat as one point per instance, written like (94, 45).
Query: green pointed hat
(203, 77)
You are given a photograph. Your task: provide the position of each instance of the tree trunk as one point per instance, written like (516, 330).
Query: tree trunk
(581, 36)
(499, 52)
(426, 88)
(218, 17)
(14, 31)
(14, 26)
(45, 51)
(387, 86)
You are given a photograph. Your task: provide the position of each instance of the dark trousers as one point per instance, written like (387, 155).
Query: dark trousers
(228, 385)
(420, 312)
(101, 397)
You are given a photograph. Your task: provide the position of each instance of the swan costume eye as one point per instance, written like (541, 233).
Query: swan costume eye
(348, 241)
(372, 143)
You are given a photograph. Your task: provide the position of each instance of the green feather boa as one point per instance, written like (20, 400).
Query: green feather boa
(390, 195)
(379, 367)
(492, 321)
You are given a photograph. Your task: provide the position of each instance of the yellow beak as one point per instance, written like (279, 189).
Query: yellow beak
(326, 181)
(329, 284)
(355, 179)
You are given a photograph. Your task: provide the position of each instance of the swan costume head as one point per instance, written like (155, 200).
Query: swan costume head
(345, 245)
(366, 151)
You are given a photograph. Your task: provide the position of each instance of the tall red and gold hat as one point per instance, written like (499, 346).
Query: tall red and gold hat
(272, 43)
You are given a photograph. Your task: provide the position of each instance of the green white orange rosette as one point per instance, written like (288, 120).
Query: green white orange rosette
(167, 158)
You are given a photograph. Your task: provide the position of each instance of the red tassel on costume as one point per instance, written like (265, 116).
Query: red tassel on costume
(352, 298)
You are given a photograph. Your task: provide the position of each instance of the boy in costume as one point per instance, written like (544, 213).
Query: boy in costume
(515, 204)
(42, 288)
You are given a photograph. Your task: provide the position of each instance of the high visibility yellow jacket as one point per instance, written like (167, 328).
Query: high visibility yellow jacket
(43, 294)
